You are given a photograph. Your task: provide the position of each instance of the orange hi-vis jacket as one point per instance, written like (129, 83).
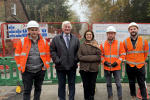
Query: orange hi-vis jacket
(136, 57)
(23, 49)
(111, 53)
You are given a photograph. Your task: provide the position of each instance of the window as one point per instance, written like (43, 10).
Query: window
(13, 8)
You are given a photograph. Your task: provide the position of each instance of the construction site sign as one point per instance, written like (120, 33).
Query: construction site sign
(122, 33)
(20, 30)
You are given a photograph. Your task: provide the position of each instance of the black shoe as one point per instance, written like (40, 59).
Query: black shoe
(91, 98)
(110, 97)
(88, 98)
(119, 98)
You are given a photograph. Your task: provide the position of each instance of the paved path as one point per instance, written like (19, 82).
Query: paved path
(50, 92)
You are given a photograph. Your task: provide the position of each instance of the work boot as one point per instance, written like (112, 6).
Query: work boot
(119, 98)
(133, 98)
(110, 97)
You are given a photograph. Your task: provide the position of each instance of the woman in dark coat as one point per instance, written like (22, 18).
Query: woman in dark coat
(89, 55)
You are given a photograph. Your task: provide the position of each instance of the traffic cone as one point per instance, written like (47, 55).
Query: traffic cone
(139, 94)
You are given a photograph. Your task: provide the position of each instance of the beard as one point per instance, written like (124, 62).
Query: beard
(133, 33)
(110, 39)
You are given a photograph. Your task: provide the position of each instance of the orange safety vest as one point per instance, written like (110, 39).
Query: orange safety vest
(136, 57)
(111, 53)
(23, 49)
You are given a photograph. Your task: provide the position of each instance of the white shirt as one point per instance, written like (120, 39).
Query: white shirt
(64, 36)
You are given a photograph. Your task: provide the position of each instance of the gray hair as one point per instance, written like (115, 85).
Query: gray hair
(66, 22)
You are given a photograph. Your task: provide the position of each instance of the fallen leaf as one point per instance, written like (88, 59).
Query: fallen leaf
(4, 97)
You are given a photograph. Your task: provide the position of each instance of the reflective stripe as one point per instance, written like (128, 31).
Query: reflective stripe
(47, 62)
(118, 48)
(115, 56)
(47, 53)
(24, 54)
(120, 59)
(134, 52)
(126, 44)
(103, 46)
(18, 65)
(146, 51)
(22, 41)
(43, 53)
(17, 54)
(143, 43)
(102, 54)
(134, 63)
(102, 59)
(44, 41)
(122, 54)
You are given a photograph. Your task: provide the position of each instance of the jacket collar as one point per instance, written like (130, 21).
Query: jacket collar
(132, 39)
(110, 42)
(39, 36)
(61, 35)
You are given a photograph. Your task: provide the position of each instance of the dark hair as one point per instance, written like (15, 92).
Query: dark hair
(89, 31)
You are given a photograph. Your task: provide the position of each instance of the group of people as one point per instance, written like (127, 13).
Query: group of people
(33, 56)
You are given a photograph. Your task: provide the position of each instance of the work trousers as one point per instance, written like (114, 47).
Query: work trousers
(28, 80)
(117, 78)
(139, 74)
(89, 81)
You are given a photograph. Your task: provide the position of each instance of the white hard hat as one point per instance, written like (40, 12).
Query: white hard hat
(133, 24)
(32, 23)
(110, 29)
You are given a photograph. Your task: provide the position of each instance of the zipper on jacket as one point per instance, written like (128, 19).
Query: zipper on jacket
(110, 56)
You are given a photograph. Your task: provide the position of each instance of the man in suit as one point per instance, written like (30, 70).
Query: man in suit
(63, 50)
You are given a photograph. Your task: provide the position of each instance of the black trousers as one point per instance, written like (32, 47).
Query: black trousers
(61, 74)
(28, 79)
(139, 74)
(89, 80)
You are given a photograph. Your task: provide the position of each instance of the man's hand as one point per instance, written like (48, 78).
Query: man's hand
(107, 64)
(114, 64)
(44, 68)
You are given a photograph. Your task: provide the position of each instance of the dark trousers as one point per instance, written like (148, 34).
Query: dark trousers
(117, 78)
(89, 80)
(28, 79)
(133, 73)
(61, 74)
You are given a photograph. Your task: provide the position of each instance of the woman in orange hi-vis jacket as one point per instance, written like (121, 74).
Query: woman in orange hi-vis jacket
(32, 57)
(137, 49)
(112, 53)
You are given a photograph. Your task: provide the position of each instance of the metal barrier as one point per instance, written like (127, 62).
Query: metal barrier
(12, 77)
(12, 32)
